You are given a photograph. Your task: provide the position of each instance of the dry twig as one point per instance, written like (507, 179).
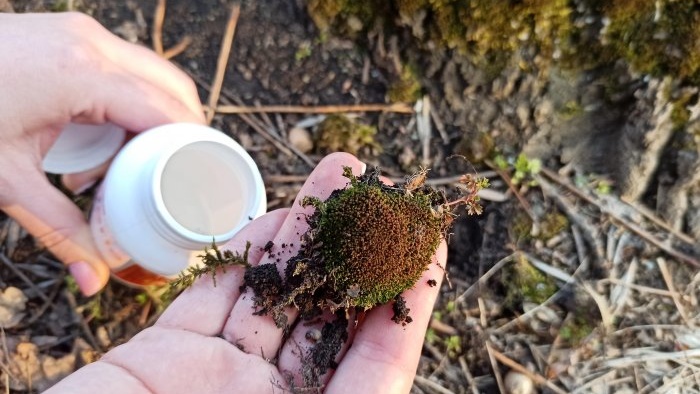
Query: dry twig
(83, 324)
(590, 233)
(9, 264)
(421, 381)
(658, 221)
(494, 365)
(506, 178)
(468, 375)
(222, 61)
(537, 378)
(482, 280)
(622, 220)
(157, 32)
(320, 109)
(177, 48)
(668, 278)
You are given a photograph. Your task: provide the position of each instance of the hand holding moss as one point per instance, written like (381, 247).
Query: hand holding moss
(210, 341)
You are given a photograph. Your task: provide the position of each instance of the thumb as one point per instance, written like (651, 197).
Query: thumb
(60, 226)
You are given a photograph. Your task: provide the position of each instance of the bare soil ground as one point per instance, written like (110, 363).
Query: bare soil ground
(559, 284)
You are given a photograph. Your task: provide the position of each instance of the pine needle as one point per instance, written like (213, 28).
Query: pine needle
(213, 259)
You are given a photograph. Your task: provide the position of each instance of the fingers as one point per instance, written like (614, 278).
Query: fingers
(60, 226)
(296, 358)
(385, 354)
(139, 63)
(129, 101)
(81, 181)
(204, 307)
(259, 334)
(151, 67)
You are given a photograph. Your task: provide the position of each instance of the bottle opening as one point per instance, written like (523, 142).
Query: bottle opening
(203, 190)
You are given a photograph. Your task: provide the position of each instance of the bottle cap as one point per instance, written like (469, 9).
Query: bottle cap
(170, 192)
(83, 147)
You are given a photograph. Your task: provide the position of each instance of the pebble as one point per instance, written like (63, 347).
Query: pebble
(518, 383)
(301, 139)
(12, 305)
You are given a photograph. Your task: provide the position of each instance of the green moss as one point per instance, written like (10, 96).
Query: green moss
(525, 283)
(338, 133)
(376, 243)
(570, 110)
(407, 88)
(552, 224)
(60, 6)
(488, 31)
(303, 52)
(656, 37)
(348, 17)
(491, 31)
(576, 328)
(520, 226)
(680, 115)
(477, 147)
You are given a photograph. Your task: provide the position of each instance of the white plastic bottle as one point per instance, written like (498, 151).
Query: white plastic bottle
(168, 193)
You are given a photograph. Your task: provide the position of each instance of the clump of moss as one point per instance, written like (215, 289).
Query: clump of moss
(576, 328)
(366, 244)
(338, 133)
(489, 32)
(376, 240)
(476, 146)
(656, 37)
(552, 224)
(347, 17)
(525, 283)
(407, 87)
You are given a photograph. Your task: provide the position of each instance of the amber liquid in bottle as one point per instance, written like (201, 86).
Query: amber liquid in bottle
(136, 275)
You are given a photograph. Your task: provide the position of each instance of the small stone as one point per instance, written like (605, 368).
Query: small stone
(313, 335)
(523, 112)
(518, 383)
(12, 305)
(301, 139)
(355, 24)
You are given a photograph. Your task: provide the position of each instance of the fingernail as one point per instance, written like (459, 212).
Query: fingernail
(363, 168)
(86, 278)
(83, 188)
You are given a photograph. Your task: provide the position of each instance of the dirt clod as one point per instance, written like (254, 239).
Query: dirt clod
(401, 311)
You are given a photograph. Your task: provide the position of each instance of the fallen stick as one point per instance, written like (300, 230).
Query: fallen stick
(320, 109)
(157, 32)
(622, 220)
(537, 378)
(222, 61)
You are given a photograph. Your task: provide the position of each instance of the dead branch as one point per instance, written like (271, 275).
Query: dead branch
(400, 108)
(9, 264)
(157, 32)
(494, 365)
(622, 220)
(222, 60)
(537, 378)
(177, 48)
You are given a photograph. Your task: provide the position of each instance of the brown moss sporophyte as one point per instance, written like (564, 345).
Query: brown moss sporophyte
(365, 245)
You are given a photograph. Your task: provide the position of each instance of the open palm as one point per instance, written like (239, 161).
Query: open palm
(209, 341)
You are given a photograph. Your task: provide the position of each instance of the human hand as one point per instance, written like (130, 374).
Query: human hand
(209, 341)
(60, 68)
